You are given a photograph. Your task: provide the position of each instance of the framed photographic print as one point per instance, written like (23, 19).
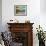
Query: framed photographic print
(20, 10)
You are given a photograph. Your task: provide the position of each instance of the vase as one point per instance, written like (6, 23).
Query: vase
(41, 43)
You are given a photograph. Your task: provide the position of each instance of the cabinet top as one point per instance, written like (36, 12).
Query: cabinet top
(19, 23)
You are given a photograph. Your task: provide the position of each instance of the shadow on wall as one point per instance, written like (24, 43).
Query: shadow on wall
(0, 15)
(0, 24)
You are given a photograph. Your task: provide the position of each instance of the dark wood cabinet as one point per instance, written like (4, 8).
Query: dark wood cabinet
(22, 33)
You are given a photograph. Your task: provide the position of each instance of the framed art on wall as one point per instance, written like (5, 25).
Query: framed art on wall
(20, 10)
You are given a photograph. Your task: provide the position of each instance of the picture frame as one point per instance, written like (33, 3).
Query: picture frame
(20, 10)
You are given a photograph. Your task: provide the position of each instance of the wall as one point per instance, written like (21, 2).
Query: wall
(43, 14)
(33, 10)
(35, 13)
(0, 15)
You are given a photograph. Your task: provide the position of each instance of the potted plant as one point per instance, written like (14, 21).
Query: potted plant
(41, 36)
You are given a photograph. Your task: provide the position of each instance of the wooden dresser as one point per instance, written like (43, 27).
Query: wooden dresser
(22, 33)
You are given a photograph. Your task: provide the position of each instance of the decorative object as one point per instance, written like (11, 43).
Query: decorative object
(7, 38)
(41, 36)
(1, 40)
(20, 10)
(13, 21)
(27, 21)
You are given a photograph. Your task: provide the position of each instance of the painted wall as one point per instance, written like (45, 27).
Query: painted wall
(0, 15)
(34, 14)
(33, 11)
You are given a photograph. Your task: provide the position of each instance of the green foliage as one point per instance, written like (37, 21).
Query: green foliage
(40, 33)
